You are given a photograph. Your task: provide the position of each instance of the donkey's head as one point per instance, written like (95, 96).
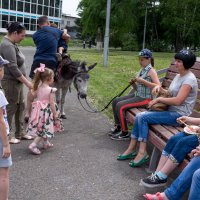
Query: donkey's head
(81, 79)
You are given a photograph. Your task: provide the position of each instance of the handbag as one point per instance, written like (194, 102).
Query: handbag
(160, 106)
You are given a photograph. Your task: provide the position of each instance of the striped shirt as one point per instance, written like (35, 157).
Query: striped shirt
(142, 90)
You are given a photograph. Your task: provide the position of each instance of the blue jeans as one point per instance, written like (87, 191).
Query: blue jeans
(195, 187)
(183, 182)
(179, 145)
(144, 119)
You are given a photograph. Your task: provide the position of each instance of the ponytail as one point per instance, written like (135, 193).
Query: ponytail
(36, 81)
(152, 61)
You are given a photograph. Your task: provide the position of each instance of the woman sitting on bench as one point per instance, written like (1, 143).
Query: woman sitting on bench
(177, 147)
(146, 80)
(190, 176)
(183, 91)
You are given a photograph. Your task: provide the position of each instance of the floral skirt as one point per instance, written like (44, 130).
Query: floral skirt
(41, 122)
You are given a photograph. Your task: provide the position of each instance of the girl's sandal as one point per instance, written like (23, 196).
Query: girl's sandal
(33, 148)
(152, 196)
(47, 145)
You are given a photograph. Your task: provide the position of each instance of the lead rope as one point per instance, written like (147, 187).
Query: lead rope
(96, 111)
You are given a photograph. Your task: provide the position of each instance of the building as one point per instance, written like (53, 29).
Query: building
(69, 22)
(27, 12)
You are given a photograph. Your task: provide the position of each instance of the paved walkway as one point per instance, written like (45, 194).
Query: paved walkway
(82, 164)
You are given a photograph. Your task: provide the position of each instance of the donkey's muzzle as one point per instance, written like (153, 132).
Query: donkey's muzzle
(82, 95)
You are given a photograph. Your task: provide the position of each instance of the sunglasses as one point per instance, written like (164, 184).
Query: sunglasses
(185, 52)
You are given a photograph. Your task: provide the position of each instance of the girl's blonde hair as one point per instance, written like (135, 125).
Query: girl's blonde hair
(46, 75)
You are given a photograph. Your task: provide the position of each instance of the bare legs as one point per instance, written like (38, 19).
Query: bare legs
(132, 147)
(166, 165)
(4, 183)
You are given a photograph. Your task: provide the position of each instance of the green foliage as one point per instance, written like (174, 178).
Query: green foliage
(169, 22)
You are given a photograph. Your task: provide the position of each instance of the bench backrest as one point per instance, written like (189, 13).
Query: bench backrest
(171, 72)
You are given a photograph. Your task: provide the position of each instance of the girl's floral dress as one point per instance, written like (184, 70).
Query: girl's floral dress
(41, 122)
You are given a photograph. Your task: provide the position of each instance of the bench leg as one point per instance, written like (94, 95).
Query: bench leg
(154, 160)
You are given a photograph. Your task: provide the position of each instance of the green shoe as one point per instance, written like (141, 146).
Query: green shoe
(139, 163)
(129, 156)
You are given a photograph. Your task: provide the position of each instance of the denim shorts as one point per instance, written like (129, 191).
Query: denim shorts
(4, 162)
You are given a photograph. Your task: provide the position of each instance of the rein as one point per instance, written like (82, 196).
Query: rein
(92, 110)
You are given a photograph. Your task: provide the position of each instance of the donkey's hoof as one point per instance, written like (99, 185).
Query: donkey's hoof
(63, 117)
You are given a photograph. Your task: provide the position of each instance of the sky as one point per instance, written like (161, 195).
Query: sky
(70, 6)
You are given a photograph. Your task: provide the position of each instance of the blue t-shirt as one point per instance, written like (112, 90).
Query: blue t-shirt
(46, 41)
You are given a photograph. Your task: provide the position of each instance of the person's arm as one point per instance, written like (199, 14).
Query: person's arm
(176, 101)
(24, 80)
(4, 137)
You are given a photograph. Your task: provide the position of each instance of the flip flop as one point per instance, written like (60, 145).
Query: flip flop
(14, 141)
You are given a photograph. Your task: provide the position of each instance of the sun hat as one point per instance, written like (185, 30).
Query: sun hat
(3, 61)
(145, 53)
(187, 57)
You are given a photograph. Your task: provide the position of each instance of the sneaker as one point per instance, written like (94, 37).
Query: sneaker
(153, 181)
(115, 131)
(121, 136)
(59, 57)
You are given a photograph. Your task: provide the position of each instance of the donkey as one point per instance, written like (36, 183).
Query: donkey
(71, 71)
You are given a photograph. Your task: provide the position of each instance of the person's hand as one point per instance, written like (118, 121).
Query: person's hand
(196, 152)
(132, 81)
(6, 151)
(156, 90)
(182, 119)
(139, 80)
(154, 101)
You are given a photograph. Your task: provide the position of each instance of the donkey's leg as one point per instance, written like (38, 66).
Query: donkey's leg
(64, 92)
(58, 100)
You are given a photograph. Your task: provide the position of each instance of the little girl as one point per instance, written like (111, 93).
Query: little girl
(43, 121)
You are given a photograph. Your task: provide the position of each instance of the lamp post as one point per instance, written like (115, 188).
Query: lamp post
(145, 24)
(106, 37)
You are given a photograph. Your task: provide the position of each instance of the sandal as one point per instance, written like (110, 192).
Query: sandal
(33, 148)
(47, 145)
(150, 196)
(26, 137)
(14, 141)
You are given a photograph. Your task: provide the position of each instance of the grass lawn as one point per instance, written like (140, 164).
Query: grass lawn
(106, 82)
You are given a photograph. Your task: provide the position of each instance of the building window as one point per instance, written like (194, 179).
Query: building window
(39, 10)
(46, 2)
(33, 8)
(40, 2)
(45, 12)
(13, 4)
(68, 23)
(51, 11)
(20, 19)
(12, 18)
(26, 23)
(20, 6)
(4, 21)
(27, 7)
(5, 4)
(56, 12)
(34, 1)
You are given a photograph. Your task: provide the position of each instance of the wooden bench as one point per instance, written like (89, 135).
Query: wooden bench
(160, 134)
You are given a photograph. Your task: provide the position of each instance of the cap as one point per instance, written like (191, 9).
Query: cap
(145, 53)
(187, 57)
(3, 62)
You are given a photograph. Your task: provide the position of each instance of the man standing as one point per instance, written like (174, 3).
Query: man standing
(46, 40)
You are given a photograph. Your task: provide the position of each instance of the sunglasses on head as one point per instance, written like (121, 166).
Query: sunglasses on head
(185, 52)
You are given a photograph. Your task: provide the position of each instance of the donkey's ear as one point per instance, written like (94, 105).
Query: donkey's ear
(91, 67)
